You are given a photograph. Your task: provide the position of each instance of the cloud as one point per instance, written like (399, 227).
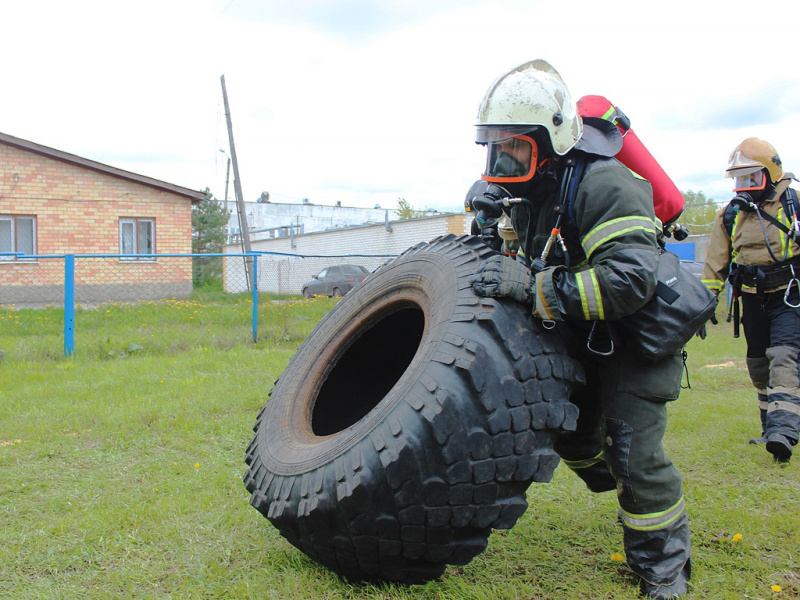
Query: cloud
(765, 104)
(365, 101)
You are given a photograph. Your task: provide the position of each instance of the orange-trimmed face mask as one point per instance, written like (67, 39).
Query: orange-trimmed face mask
(750, 182)
(510, 159)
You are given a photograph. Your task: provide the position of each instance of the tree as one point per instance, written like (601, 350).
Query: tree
(698, 212)
(209, 219)
(406, 211)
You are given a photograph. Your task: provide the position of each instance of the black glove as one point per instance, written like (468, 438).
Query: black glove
(503, 276)
(713, 317)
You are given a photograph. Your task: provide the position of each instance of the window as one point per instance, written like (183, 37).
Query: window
(137, 236)
(17, 234)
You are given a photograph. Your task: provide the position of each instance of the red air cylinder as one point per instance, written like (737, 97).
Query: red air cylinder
(667, 198)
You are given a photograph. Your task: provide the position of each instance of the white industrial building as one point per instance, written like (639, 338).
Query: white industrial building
(269, 220)
(293, 260)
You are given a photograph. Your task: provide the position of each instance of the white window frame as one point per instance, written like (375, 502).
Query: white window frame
(13, 219)
(135, 222)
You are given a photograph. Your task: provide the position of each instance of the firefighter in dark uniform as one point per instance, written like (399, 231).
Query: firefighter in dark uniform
(755, 244)
(600, 266)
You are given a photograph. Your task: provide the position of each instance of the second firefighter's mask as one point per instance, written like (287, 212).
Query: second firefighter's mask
(750, 182)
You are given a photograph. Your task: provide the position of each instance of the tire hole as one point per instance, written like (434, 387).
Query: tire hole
(367, 371)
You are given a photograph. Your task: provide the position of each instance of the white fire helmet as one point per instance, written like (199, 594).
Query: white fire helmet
(529, 97)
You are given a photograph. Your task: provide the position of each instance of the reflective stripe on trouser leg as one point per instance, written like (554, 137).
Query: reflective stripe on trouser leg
(658, 545)
(783, 408)
(656, 520)
(594, 472)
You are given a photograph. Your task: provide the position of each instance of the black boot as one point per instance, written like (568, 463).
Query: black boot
(780, 447)
(669, 591)
(660, 557)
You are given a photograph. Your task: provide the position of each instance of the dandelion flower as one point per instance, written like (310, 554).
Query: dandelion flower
(737, 537)
(196, 465)
(617, 557)
(775, 588)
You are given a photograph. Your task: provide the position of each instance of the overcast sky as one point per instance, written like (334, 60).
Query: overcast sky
(368, 101)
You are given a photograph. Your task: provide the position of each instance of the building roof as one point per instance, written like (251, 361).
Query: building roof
(16, 142)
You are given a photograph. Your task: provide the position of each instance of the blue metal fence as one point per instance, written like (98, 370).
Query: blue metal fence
(278, 273)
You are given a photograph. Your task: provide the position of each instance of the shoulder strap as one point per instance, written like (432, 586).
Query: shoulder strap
(573, 173)
(729, 219)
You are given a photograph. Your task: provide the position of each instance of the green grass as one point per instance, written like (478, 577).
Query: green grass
(167, 327)
(120, 473)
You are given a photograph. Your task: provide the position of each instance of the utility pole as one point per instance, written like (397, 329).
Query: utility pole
(237, 188)
(227, 177)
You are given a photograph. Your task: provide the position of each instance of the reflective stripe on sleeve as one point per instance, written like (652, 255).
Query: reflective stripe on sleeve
(591, 301)
(615, 228)
(714, 285)
(542, 307)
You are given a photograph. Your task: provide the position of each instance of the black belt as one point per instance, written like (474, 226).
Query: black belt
(765, 277)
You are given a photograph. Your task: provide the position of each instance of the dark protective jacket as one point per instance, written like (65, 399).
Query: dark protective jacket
(610, 232)
(738, 238)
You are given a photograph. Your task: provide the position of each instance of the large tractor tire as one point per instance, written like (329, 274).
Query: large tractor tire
(411, 421)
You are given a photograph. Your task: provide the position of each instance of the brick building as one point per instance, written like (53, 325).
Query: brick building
(53, 203)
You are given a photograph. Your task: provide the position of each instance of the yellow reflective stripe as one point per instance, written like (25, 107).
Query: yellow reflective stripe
(589, 289)
(713, 284)
(734, 252)
(656, 520)
(637, 176)
(582, 292)
(583, 263)
(615, 228)
(781, 235)
(541, 301)
(786, 242)
(611, 112)
(584, 463)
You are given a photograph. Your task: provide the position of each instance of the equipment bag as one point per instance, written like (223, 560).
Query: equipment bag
(679, 308)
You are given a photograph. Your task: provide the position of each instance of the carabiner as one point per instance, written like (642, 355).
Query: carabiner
(608, 352)
(792, 282)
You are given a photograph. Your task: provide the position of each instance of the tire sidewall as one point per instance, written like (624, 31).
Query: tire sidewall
(428, 281)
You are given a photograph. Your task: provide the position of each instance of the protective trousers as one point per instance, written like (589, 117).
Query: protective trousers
(772, 330)
(618, 445)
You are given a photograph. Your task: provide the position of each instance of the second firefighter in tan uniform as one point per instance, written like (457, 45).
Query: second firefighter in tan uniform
(754, 244)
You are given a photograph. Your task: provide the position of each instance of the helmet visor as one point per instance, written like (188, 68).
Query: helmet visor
(510, 158)
(739, 160)
(747, 182)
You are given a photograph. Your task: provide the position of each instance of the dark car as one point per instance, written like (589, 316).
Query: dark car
(694, 267)
(334, 281)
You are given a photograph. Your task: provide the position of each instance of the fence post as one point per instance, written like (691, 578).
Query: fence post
(255, 298)
(69, 304)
